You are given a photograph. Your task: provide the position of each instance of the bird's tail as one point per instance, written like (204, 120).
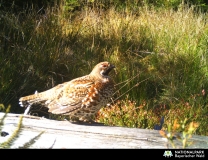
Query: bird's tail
(32, 99)
(43, 98)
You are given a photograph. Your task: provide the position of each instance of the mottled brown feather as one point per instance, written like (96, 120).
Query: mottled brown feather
(80, 98)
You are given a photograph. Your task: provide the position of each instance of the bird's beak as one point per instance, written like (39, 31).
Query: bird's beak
(112, 66)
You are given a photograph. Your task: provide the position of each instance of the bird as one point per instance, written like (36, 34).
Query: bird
(80, 98)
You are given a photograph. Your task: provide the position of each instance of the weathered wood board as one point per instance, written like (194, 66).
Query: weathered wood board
(63, 134)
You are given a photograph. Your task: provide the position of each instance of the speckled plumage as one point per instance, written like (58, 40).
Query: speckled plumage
(80, 98)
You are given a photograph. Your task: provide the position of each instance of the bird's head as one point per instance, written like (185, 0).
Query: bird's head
(102, 69)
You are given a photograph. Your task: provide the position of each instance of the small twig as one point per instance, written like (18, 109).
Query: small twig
(51, 147)
(131, 89)
(127, 81)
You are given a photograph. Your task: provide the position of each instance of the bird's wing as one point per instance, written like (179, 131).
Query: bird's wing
(73, 96)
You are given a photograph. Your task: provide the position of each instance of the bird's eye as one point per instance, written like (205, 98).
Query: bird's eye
(104, 65)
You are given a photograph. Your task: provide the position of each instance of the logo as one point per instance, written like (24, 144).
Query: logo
(167, 154)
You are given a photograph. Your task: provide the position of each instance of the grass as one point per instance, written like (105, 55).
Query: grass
(16, 133)
(161, 56)
(186, 129)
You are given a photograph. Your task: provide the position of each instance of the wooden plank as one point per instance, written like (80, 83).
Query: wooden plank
(63, 134)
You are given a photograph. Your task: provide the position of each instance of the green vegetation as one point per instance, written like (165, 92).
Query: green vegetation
(159, 50)
(15, 134)
(184, 138)
(8, 143)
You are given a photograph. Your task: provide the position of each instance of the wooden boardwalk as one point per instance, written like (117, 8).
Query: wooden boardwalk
(63, 134)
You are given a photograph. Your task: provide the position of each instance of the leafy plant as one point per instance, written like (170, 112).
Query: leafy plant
(14, 136)
(187, 133)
